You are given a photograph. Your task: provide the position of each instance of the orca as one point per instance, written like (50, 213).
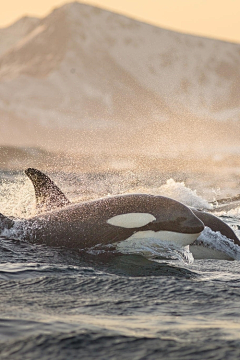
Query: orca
(48, 198)
(105, 221)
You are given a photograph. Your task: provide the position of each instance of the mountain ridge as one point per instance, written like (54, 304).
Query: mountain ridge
(94, 73)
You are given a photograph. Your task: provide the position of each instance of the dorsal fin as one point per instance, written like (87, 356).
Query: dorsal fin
(48, 195)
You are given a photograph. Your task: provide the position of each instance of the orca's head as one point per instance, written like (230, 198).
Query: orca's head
(161, 217)
(171, 215)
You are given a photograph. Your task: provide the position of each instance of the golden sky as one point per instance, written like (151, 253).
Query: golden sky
(212, 18)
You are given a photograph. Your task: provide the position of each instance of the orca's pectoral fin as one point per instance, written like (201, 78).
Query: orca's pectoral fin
(48, 195)
(5, 222)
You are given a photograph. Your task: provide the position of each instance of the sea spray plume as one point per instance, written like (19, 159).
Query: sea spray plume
(17, 197)
(179, 191)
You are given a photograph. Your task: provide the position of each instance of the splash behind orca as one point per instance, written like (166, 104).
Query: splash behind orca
(105, 221)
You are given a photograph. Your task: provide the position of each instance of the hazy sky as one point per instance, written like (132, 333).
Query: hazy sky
(214, 18)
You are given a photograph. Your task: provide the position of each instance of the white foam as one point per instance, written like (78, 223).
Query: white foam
(180, 192)
(214, 245)
(17, 198)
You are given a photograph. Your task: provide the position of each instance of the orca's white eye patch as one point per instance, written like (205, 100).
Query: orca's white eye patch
(131, 220)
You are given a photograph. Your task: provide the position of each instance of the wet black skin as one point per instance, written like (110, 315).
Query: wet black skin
(85, 224)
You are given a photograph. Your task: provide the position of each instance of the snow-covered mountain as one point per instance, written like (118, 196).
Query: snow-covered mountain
(85, 78)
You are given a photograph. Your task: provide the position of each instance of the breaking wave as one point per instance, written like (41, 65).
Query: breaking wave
(216, 241)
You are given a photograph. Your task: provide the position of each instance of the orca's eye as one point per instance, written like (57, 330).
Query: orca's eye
(131, 220)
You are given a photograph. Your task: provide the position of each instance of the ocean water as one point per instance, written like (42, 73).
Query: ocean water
(60, 304)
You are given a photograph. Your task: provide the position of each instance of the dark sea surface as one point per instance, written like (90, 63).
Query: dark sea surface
(62, 304)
